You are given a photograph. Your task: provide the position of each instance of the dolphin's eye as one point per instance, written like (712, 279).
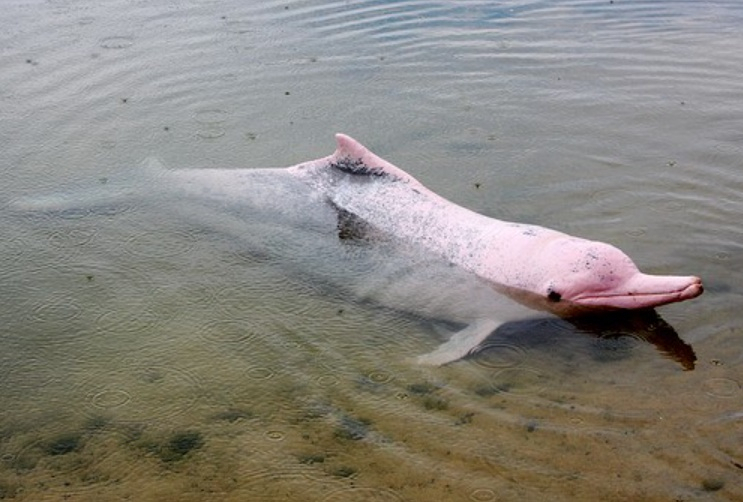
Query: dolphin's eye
(554, 296)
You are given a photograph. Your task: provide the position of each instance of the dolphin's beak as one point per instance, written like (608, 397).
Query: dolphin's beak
(645, 291)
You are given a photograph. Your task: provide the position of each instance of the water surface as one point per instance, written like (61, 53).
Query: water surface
(145, 356)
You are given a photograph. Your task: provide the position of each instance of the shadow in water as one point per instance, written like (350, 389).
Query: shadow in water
(646, 325)
(612, 335)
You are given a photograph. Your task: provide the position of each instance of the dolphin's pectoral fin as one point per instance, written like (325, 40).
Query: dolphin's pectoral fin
(460, 344)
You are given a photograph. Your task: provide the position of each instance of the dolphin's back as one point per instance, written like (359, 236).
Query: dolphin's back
(395, 203)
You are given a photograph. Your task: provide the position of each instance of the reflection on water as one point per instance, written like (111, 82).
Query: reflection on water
(148, 354)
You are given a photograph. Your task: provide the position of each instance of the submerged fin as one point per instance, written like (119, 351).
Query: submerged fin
(460, 344)
(350, 226)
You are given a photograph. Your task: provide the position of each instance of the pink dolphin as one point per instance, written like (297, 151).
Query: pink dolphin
(504, 271)
(541, 268)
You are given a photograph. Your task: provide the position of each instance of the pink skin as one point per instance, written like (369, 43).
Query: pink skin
(593, 276)
(542, 268)
(599, 275)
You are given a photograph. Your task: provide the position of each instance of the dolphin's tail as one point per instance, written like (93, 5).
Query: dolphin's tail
(91, 195)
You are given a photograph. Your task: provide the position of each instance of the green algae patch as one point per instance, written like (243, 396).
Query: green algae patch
(63, 444)
(175, 447)
(181, 444)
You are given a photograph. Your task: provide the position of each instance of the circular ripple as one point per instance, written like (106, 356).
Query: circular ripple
(637, 232)
(260, 373)
(363, 495)
(57, 310)
(721, 387)
(71, 238)
(55, 296)
(140, 393)
(109, 399)
(211, 122)
(269, 485)
(226, 332)
(210, 116)
(275, 435)
(211, 132)
(519, 381)
(482, 495)
(499, 355)
(116, 42)
(702, 401)
(327, 380)
(614, 199)
(160, 244)
(380, 376)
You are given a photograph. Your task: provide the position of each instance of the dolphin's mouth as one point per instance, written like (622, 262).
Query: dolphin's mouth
(649, 291)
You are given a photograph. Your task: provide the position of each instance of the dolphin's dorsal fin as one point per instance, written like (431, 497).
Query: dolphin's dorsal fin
(351, 157)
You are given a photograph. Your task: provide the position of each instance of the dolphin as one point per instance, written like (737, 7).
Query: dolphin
(520, 269)
(430, 256)
(543, 269)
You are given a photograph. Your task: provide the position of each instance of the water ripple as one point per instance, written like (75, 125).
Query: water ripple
(614, 120)
(722, 388)
(227, 332)
(520, 381)
(117, 42)
(160, 244)
(69, 299)
(364, 494)
(719, 442)
(282, 482)
(140, 393)
(483, 495)
(499, 355)
(73, 461)
(259, 373)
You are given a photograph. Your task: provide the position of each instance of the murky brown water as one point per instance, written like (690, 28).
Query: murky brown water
(153, 352)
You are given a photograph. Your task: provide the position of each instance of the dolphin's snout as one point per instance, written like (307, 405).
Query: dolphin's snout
(655, 290)
(694, 289)
(645, 291)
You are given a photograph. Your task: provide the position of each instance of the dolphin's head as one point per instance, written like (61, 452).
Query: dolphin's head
(575, 275)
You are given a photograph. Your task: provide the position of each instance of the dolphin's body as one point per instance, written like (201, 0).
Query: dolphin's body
(517, 265)
(471, 269)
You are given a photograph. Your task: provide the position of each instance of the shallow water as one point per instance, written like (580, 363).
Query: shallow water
(147, 355)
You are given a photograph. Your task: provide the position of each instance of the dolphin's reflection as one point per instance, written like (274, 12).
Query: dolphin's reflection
(610, 327)
(644, 325)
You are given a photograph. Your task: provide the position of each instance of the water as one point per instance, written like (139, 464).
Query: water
(147, 357)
